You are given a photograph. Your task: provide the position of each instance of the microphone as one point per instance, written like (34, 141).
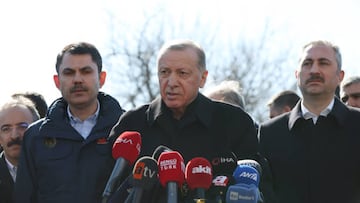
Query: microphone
(198, 176)
(223, 166)
(245, 174)
(144, 177)
(242, 194)
(125, 150)
(219, 187)
(224, 163)
(160, 149)
(171, 173)
(252, 163)
(246, 189)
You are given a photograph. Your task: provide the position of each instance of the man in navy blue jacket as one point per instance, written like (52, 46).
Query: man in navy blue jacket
(66, 157)
(313, 151)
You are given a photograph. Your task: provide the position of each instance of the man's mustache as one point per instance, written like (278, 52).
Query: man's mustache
(315, 78)
(78, 88)
(17, 141)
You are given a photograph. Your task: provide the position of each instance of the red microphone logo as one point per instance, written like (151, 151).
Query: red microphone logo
(128, 146)
(171, 168)
(198, 173)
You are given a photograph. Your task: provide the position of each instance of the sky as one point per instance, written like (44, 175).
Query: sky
(33, 32)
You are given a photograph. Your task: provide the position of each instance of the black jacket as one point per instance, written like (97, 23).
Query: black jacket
(58, 165)
(6, 181)
(207, 129)
(314, 163)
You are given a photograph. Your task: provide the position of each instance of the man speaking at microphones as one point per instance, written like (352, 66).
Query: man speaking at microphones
(182, 118)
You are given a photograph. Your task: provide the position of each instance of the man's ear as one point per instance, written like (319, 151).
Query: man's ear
(56, 81)
(102, 78)
(203, 78)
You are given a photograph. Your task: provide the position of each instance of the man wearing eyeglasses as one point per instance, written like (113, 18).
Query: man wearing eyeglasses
(350, 91)
(15, 117)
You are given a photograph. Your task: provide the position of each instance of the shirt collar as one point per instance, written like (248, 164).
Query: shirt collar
(307, 114)
(9, 164)
(339, 111)
(12, 169)
(93, 117)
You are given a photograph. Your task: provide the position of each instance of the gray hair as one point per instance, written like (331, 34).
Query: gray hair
(230, 92)
(179, 45)
(329, 44)
(24, 102)
(350, 81)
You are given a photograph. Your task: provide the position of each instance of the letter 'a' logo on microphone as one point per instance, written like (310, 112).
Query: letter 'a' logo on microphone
(221, 181)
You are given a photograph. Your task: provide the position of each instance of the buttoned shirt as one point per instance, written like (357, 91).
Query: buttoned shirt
(307, 114)
(12, 169)
(84, 127)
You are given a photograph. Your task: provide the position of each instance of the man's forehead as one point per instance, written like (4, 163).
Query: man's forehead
(318, 51)
(353, 87)
(15, 114)
(76, 60)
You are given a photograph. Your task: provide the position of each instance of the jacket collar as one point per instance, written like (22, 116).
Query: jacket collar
(339, 112)
(57, 117)
(201, 108)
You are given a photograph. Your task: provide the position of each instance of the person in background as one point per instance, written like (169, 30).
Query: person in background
(282, 102)
(37, 99)
(227, 91)
(67, 156)
(350, 91)
(15, 117)
(182, 118)
(317, 141)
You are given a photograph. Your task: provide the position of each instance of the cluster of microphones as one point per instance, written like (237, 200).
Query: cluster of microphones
(222, 179)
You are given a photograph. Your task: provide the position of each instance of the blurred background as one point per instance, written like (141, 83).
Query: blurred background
(254, 42)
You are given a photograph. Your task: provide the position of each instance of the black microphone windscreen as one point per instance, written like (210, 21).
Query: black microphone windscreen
(145, 173)
(160, 149)
(224, 163)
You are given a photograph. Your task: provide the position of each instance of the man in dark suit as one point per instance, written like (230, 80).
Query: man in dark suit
(313, 151)
(184, 119)
(15, 117)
